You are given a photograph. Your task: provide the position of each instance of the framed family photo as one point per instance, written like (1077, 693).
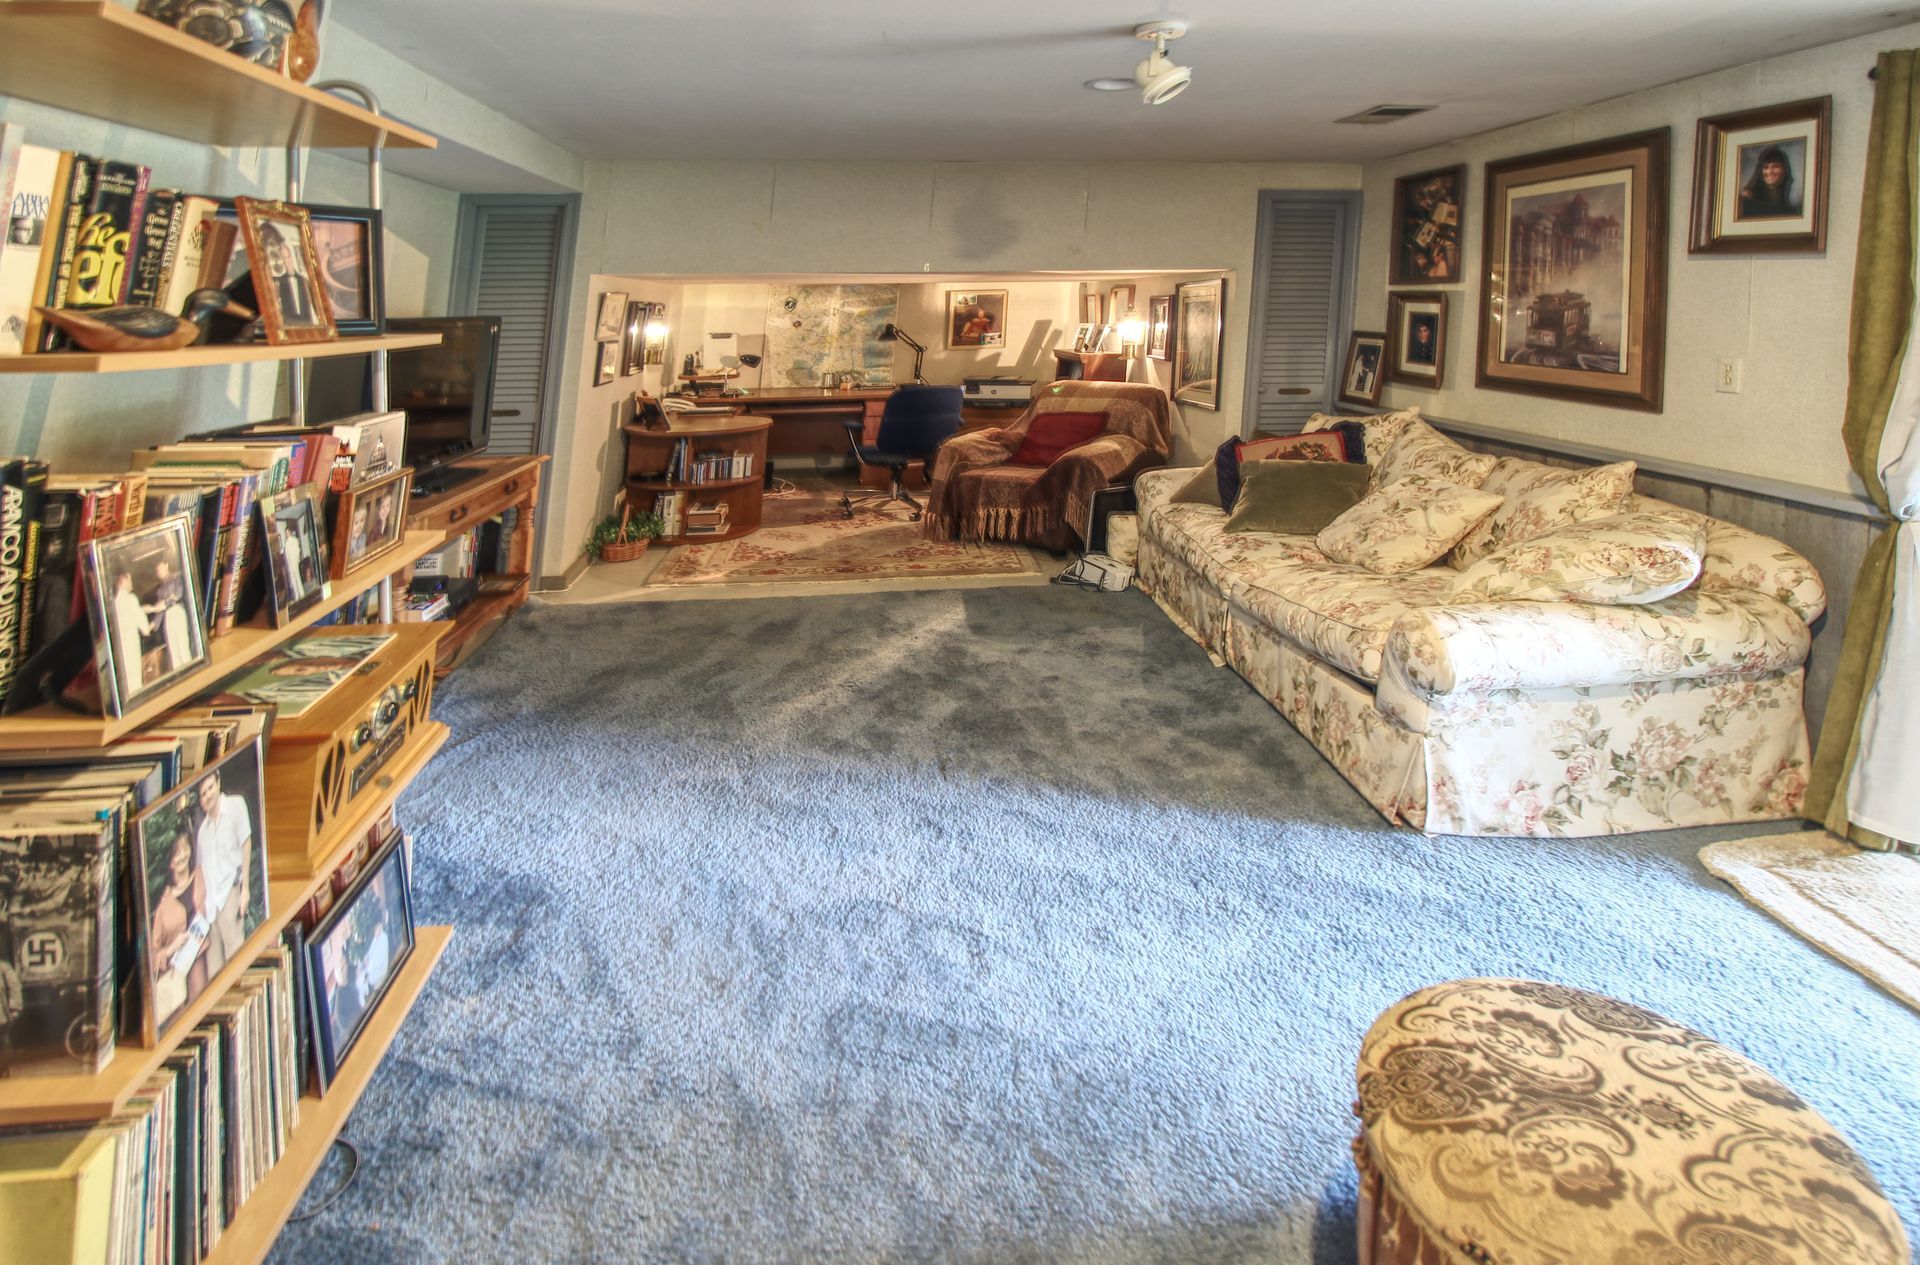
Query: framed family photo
(1575, 252)
(1363, 375)
(293, 531)
(349, 243)
(355, 951)
(1417, 337)
(1160, 327)
(1760, 180)
(199, 882)
(1200, 311)
(976, 318)
(143, 601)
(1427, 225)
(287, 288)
(369, 519)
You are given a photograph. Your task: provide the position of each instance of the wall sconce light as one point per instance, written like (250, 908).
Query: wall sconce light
(1133, 333)
(654, 334)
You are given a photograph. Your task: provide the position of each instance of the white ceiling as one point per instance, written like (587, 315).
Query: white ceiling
(890, 79)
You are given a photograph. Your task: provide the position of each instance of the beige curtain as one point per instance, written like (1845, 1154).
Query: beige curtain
(1859, 765)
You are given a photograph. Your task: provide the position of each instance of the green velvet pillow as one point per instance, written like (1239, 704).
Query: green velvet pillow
(1202, 489)
(1295, 498)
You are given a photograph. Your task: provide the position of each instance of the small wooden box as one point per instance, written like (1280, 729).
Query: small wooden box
(322, 767)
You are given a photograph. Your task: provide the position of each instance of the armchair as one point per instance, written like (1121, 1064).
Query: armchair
(980, 491)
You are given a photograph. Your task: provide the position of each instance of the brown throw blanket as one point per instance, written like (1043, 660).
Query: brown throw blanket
(976, 495)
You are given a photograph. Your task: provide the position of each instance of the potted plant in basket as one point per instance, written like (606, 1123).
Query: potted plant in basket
(624, 536)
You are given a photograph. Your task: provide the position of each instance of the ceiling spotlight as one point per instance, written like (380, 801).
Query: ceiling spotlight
(1158, 79)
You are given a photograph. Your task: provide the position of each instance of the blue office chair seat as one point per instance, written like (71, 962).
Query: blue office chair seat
(916, 421)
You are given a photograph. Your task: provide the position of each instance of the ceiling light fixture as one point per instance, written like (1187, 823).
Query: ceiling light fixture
(1160, 81)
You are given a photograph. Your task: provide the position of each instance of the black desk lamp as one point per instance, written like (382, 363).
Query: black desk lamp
(891, 333)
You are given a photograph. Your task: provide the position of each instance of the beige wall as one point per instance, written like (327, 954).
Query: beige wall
(1784, 316)
(1039, 318)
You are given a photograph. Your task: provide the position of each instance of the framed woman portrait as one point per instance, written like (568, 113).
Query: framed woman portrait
(1160, 327)
(287, 288)
(350, 245)
(369, 519)
(293, 534)
(1200, 312)
(1364, 373)
(1760, 180)
(1427, 223)
(143, 601)
(1574, 249)
(1417, 337)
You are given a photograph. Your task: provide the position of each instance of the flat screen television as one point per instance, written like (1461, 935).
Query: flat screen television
(445, 391)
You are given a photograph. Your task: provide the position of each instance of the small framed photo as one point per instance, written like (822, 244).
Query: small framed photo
(350, 244)
(1427, 226)
(1417, 338)
(199, 881)
(1160, 327)
(355, 952)
(292, 530)
(1760, 180)
(976, 318)
(1119, 303)
(369, 519)
(609, 364)
(1200, 313)
(1363, 376)
(286, 272)
(613, 310)
(143, 600)
(1083, 336)
(633, 339)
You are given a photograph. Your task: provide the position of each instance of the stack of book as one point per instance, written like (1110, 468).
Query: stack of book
(422, 608)
(707, 518)
(87, 232)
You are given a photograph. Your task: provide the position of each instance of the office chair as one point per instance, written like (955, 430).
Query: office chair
(917, 420)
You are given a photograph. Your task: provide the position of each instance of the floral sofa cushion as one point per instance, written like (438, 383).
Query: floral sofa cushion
(1405, 525)
(1516, 1121)
(1380, 430)
(1742, 560)
(1622, 559)
(1422, 450)
(1540, 498)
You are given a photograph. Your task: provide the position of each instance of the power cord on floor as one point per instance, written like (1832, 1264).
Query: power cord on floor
(353, 1169)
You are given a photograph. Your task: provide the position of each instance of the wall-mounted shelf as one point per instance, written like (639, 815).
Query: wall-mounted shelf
(200, 357)
(96, 58)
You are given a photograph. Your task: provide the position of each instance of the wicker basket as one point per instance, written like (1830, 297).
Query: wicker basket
(624, 550)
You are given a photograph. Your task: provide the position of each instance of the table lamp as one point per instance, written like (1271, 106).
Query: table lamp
(891, 333)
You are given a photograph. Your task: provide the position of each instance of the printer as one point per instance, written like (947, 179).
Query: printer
(998, 390)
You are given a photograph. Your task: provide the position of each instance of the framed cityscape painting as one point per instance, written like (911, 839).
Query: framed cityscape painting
(1575, 250)
(1427, 223)
(1760, 180)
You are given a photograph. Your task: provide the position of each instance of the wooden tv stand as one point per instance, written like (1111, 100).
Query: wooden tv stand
(500, 484)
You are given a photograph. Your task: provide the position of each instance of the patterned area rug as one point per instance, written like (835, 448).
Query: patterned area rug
(804, 536)
(1862, 907)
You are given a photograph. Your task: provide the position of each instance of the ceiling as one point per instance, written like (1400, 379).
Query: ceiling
(893, 79)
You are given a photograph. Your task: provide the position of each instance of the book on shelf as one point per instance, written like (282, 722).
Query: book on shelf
(707, 518)
(101, 251)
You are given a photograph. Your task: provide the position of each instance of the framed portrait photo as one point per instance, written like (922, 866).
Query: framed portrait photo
(1428, 219)
(199, 882)
(1364, 374)
(1160, 327)
(1200, 313)
(369, 519)
(976, 318)
(287, 288)
(1575, 251)
(355, 952)
(350, 245)
(142, 590)
(608, 366)
(1417, 338)
(293, 533)
(613, 310)
(1760, 180)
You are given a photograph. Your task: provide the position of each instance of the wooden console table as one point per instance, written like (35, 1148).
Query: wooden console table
(501, 484)
(648, 452)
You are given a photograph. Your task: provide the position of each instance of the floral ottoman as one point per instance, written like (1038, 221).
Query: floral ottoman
(1530, 1124)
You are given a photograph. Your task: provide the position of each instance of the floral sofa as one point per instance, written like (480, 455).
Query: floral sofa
(1503, 716)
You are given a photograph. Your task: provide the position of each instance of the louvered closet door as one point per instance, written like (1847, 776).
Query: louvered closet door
(518, 255)
(1302, 311)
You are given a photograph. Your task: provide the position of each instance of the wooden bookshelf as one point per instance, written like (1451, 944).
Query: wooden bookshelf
(250, 1235)
(203, 357)
(97, 58)
(52, 725)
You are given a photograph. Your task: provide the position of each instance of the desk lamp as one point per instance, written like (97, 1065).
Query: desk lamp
(891, 333)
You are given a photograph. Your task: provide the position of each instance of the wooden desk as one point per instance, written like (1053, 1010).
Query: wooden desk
(503, 483)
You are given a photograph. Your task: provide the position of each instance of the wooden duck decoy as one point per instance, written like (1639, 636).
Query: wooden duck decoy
(137, 327)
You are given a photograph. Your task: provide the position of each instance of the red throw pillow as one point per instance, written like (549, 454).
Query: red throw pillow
(1050, 434)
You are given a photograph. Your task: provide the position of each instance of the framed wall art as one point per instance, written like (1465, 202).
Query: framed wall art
(349, 242)
(286, 272)
(632, 349)
(613, 310)
(1760, 180)
(1160, 327)
(607, 365)
(1120, 300)
(1090, 308)
(1200, 312)
(1575, 253)
(1417, 337)
(1428, 214)
(1363, 375)
(976, 318)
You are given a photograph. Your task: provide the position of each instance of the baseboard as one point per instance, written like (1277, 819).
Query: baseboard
(566, 579)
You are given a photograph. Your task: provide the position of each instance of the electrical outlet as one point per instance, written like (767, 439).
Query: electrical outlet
(1726, 376)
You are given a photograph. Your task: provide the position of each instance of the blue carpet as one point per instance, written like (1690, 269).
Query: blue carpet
(992, 925)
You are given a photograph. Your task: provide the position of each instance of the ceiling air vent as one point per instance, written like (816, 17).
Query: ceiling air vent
(1384, 114)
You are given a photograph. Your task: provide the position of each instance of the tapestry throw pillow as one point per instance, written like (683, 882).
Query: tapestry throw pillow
(1230, 456)
(1421, 450)
(1379, 429)
(1050, 434)
(1405, 526)
(1625, 559)
(1295, 498)
(1540, 498)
